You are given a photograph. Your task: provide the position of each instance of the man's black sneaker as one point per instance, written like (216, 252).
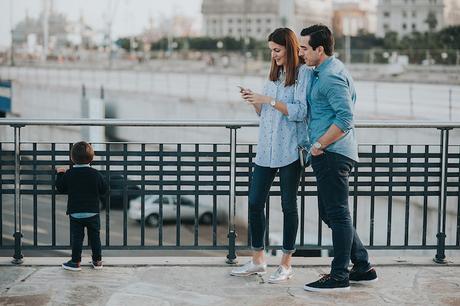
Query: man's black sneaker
(72, 266)
(328, 283)
(369, 276)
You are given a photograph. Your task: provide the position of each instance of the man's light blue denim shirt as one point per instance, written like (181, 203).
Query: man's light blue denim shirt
(331, 99)
(280, 135)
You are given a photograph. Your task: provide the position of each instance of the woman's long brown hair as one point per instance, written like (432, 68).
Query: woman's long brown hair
(287, 38)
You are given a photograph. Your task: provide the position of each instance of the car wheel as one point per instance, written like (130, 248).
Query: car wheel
(152, 220)
(206, 218)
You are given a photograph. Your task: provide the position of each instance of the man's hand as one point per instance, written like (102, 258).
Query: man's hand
(316, 152)
(61, 170)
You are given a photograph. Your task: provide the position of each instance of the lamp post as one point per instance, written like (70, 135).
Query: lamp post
(12, 33)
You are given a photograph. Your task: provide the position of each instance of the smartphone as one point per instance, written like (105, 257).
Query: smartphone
(241, 88)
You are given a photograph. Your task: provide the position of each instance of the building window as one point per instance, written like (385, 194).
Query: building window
(239, 30)
(385, 26)
(269, 20)
(239, 20)
(404, 14)
(258, 20)
(414, 14)
(414, 27)
(230, 20)
(214, 21)
(386, 14)
(404, 26)
(230, 31)
(248, 20)
(259, 30)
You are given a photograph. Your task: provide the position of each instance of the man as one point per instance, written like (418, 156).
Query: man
(331, 97)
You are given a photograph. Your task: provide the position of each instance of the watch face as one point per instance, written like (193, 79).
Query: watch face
(317, 145)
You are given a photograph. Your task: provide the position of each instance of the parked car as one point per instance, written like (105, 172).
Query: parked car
(117, 184)
(187, 210)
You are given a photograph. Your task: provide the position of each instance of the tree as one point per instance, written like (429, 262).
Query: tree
(431, 21)
(450, 37)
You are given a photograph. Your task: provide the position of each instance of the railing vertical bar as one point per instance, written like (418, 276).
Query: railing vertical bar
(390, 194)
(407, 204)
(440, 256)
(355, 194)
(214, 196)
(1, 195)
(160, 186)
(53, 195)
(250, 169)
(320, 224)
(196, 186)
(231, 256)
(107, 196)
(125, 194)
(34, 178)
(372, 212)
(302, 208)
(17, 257)
(143, 194)
(267, 221)
(425, 195)
(178, 221)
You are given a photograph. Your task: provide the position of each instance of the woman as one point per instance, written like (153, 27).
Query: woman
(282, 109)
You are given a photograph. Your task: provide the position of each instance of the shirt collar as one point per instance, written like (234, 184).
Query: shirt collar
(322, 66)
(81, 165)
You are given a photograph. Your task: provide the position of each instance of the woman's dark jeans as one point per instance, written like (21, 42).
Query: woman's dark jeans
(262, 179)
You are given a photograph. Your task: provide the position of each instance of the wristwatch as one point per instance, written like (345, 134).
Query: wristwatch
(317, 145)
(273, 102)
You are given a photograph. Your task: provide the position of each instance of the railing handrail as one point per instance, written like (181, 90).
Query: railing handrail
(215, 123)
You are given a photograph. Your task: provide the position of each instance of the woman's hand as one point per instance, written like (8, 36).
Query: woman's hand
(255, 98)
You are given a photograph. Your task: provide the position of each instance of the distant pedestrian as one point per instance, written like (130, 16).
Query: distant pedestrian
(84, 186)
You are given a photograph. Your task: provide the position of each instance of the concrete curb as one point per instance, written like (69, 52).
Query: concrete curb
(220, 261)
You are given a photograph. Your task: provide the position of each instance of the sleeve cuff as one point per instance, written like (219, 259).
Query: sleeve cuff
(343, 125)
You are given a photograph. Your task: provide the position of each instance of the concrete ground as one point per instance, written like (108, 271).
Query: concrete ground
(206, 281)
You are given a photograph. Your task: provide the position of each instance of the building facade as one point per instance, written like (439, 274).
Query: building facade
(351, 17)
(258, 18)
(452, 12)
(407, 16)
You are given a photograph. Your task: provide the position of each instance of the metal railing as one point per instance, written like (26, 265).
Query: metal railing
(389, 183)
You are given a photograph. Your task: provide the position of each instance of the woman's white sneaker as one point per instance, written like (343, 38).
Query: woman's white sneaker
(281, 275)
(250, 268)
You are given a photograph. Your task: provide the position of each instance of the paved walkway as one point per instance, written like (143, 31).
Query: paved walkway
(206, 281)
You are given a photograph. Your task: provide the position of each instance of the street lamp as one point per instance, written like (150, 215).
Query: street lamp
(12, 32)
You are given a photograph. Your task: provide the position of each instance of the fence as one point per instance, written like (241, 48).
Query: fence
(401, 196)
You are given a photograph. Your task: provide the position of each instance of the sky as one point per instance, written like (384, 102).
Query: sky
(131, 15)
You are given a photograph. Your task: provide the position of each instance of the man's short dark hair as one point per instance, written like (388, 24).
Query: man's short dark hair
(320, 35)
(82, 153)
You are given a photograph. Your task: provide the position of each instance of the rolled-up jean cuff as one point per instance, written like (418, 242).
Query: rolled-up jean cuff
(258, 248)
(288, 251)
